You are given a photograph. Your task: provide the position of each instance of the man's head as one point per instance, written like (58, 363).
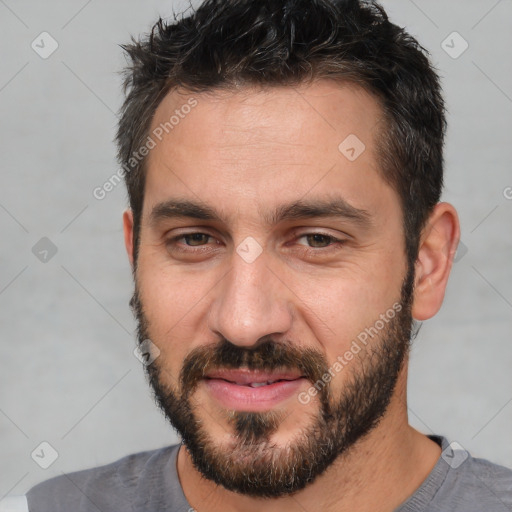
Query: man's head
(228, 44)
(284, 227)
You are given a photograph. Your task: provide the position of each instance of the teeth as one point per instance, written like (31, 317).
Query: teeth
(258, 384)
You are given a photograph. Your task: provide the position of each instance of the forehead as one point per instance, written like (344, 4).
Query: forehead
(281, 114)
(257, 145)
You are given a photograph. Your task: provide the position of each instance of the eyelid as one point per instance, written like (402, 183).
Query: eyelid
(313, 230)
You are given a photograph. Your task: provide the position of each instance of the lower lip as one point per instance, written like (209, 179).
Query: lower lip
(246, 398)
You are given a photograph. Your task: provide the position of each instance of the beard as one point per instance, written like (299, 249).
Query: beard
(252, 465)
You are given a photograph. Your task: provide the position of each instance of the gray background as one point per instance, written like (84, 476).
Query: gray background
(68, 373)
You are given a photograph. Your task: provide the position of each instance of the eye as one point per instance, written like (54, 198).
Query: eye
(197, 242)
(195, 239)
(319, 244)
(319, 238)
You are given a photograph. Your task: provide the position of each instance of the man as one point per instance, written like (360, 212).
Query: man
(284, 167)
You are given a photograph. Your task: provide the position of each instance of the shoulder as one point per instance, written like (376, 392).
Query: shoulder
(482, 473)
(109, 487)
(477, 484)
(460, 482)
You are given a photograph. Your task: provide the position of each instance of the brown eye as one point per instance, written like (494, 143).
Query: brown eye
(196, 237)
(191, 240)
(320, 240)
(317, 238)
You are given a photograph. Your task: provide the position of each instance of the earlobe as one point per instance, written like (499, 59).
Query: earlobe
(438, 245)
(128, 234)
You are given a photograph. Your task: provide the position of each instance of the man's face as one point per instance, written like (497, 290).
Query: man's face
(267, 289)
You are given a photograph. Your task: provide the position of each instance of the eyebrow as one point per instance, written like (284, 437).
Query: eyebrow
(296, 210)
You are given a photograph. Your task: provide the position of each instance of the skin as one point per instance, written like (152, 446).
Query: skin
(244, 153)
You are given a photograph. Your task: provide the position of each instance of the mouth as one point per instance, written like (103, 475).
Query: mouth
(253, 378)
(252, 390)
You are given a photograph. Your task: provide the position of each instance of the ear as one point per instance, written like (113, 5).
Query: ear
(128, 234)
(438, 245)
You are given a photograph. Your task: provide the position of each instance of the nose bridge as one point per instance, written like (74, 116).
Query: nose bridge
(251, 301)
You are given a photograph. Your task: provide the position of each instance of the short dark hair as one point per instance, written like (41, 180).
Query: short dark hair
(230, 43)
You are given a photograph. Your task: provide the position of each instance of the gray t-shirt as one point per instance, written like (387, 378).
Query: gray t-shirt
(148, 482)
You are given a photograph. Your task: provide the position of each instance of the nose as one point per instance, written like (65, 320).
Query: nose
(251, 304)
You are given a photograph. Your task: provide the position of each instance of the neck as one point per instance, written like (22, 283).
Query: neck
(378, 473)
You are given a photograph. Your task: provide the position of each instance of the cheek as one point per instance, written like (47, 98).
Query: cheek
(338, 309)
(173, 304)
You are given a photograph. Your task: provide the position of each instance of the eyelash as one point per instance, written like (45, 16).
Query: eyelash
(336, 243)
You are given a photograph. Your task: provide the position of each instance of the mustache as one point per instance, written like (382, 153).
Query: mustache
(268, 356)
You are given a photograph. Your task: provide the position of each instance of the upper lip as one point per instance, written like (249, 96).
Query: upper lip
(246, 376)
